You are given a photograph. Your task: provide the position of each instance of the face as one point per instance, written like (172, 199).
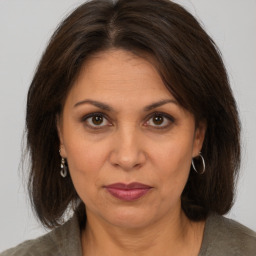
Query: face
(127, 141)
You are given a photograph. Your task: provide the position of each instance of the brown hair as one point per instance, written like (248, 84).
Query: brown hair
(191, 68)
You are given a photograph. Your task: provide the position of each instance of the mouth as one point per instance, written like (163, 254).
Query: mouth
(128, 192)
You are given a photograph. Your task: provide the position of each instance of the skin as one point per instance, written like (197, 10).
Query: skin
(129, 143)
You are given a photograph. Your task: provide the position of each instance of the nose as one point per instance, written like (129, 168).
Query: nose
(128, 152)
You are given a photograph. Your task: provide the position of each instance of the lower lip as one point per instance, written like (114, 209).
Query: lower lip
(128, 194)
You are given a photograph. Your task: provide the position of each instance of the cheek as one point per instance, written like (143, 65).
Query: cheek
(172, 159)
(86, 158)
(83, 153)
(85, 163)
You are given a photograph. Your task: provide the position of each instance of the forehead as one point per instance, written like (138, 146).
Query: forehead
(119, 72)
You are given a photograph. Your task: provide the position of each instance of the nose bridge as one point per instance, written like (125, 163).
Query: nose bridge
(128, 150)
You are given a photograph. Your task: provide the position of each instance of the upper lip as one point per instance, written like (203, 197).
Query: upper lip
(133, 185)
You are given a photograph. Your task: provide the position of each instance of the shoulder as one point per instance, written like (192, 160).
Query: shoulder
(224, 236)
(64, 240)
(39, 246)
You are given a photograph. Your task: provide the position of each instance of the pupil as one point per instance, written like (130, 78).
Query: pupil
(158, 120)
(97, 120)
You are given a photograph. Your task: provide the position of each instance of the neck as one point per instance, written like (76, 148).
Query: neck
(175, 235)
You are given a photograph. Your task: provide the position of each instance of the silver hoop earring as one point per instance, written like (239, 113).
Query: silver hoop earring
(203, 164)
(64, 168)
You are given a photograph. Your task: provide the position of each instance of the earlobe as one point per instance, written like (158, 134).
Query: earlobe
(199, 138)
(62, 150)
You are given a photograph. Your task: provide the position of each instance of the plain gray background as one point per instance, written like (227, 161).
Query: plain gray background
(25, 27)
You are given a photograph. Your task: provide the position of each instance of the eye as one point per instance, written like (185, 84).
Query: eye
(96, 120)
(160, 120)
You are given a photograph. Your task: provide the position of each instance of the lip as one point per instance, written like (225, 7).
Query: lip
(128, 192)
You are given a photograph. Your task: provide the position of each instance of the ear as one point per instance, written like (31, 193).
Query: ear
(199, 137)
(59, 125)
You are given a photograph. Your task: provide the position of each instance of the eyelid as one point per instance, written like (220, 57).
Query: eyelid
(170, 118)
(93, 114)
(165, 115)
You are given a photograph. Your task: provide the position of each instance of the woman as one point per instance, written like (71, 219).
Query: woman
(131, 124)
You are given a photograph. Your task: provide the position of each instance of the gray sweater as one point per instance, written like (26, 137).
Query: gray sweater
(222, 237)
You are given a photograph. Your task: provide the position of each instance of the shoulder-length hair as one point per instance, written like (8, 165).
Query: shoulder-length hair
(191, 68)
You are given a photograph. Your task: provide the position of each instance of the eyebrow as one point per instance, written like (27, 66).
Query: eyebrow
(159, 104)
(98, 104)
(106, 107)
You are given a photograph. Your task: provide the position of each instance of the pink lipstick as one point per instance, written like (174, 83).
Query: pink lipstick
(128, 192)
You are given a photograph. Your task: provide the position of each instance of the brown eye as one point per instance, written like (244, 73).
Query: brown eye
(97, 120)
(158, 120)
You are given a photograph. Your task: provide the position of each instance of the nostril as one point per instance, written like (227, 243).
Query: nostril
(127, 151)
(127, 162)
(137, 165)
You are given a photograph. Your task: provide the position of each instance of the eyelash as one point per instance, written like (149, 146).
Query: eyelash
(169, 118)
(91, 115)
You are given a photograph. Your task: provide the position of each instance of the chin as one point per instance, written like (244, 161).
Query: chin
(130, 218)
